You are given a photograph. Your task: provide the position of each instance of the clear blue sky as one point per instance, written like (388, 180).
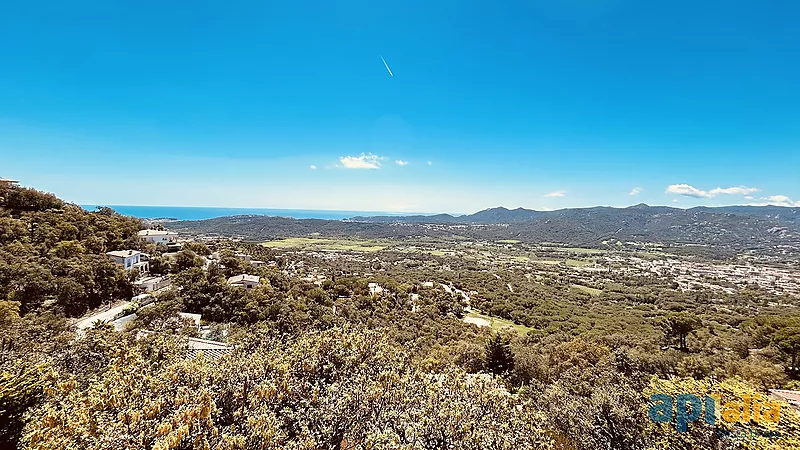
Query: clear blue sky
(539, 104)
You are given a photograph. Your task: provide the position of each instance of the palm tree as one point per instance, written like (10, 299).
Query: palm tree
(104, 325)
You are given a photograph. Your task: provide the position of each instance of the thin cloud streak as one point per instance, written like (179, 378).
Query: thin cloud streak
(387, 66)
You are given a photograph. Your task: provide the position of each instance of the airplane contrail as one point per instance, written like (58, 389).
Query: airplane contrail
(387, 66)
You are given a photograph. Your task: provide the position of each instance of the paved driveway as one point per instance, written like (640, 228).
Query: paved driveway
(105, 315)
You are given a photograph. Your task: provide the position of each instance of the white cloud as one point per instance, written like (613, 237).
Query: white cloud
(312, 167)
(365, 161)
(400, 162)
(430, 163)
(779, 200)
(691, 191)
(556, 194)
(739, 190)
(636, 191)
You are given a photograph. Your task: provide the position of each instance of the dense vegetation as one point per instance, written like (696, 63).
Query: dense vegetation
(329, 366)
(51, 251)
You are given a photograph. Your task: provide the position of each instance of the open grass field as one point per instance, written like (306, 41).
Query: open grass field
(354, 245)
(498, 324)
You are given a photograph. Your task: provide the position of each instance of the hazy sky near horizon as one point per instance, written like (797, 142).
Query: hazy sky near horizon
(540, 104)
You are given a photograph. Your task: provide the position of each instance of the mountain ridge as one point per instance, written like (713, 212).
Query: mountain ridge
(500, 214)
(736, 228)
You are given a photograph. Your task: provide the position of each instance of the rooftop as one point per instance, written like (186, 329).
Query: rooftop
(211, 349)
(123, 253)
(157, 233)
(148, 279)
(244, 278)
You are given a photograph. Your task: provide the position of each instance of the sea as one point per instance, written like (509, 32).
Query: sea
(201, 213)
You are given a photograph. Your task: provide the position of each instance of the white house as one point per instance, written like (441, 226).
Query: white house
(150, 284)
(245, 281)
(375, 289)
(427, 284)
(5, 182)
(129, 259)
(159, 236)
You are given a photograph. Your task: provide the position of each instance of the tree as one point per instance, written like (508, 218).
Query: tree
(9, 318)
(102, 325)
(232, 265)
(762, 373)
(67, 249)
(787, 340)
(694, 367)
(71, 296)
(499, 359)
(20, 389)
(678, 326)
(160, 265)
(9, 313)
(187, 259)
(197, 247)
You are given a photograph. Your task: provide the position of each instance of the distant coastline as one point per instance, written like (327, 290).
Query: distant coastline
(202, 213)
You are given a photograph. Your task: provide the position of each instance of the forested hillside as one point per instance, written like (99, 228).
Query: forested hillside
(53, 253)
(319, 358)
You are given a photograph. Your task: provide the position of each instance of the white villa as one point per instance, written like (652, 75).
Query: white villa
(130, 259)
(375, 289)
(245, 281)
(150, 284)
(5, 182)
(159, 236)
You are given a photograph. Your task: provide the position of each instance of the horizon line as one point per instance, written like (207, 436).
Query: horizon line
(410, 214)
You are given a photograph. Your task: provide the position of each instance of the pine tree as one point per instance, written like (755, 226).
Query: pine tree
(499, 358)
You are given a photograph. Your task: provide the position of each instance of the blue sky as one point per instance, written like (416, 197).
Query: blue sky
(539, 104)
